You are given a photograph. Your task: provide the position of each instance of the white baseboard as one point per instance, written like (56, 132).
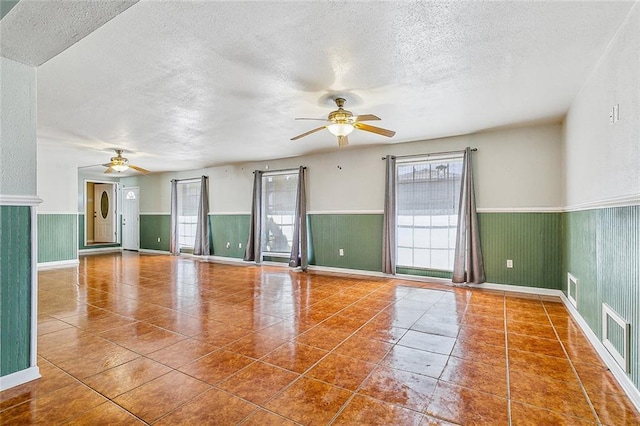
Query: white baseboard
(515, 289)
(621, 377)
(58, 264)
(99, 250)
(149, 251)
(232, 260)
(19, 377)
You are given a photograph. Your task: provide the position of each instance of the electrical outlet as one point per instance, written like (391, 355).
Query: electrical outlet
(228, 245)
(341, 252)
(239, 245)
(509, 263)
(614, 114)
(158, 239)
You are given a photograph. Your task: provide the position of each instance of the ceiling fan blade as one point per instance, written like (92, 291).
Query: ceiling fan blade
(314, 119)
(139, 169)
(106, 164)
(374, 129)
(343, 141)
(109, 170)
(308, 133)
(92, 165)
(366, 117)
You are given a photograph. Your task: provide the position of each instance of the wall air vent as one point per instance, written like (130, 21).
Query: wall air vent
(616, 337)
(572, 290)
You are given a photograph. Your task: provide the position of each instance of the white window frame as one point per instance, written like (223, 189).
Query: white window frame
(452, 227)
(181, 222)
(263, 219)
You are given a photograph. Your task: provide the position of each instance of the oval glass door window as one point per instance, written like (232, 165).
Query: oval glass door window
(104, 204)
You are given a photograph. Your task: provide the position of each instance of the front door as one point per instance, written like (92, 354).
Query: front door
(130, 219)
(104, 214)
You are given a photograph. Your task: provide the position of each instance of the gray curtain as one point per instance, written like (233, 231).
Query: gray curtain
(201, 247)
(389, 225)
(254, 243)
(468, 265)
(299, 255)
(174, 247)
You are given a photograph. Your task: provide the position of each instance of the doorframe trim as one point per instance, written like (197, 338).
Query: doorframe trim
(116, 212)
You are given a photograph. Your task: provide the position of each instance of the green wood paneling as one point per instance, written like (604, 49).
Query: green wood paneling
(359, 235)
(234, 229)
(152, 227)
(276, 259)
(580, 260)
(618, 265)
(424, 272)
(57, 237)
(602, 250)
(532, 240)
(6, 6)
(15, 288)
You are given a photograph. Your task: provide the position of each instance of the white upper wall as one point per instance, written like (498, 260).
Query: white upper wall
(602, 161)
(514, 169)
(17, 128)
(57, 184)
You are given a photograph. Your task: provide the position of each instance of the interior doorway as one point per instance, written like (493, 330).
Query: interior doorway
(101, 213)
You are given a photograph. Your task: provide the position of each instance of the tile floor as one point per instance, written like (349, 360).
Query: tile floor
(143, 339)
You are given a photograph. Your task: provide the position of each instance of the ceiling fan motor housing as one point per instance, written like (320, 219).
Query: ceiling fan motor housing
(340, 115)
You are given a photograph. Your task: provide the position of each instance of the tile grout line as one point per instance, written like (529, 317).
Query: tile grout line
(300, 375)
(241, 304)
(506, 350)
(354, 392)
(566, 354)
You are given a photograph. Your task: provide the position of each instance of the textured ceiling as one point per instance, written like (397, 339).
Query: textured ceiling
(190, 84)
(37, 30)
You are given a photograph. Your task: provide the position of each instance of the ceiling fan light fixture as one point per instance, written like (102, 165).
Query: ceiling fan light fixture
(340, 129)
(120, 167)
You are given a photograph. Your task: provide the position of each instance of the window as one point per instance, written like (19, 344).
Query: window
(428, 194)
(188, 199)
(279, 192)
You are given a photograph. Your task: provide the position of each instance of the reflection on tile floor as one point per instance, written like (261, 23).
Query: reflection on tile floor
(142, 339)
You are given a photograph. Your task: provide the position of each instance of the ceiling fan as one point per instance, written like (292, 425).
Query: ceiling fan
(120, 164)
(343, 122)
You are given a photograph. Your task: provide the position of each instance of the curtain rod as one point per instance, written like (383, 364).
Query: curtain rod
(281, 170)
(189, 179)
(428, 155)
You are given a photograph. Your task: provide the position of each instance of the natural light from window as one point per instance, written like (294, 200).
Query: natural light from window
(278, 210)
(428, 194)
(188, 199)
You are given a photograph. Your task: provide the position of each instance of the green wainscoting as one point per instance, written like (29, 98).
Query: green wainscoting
(433, 273)
(15, 290)
(359, 235)
(57, 237)
(152, 227)
(232, 229)
(602, 250)
(580, 259)
(81, 245)
(532, 240)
